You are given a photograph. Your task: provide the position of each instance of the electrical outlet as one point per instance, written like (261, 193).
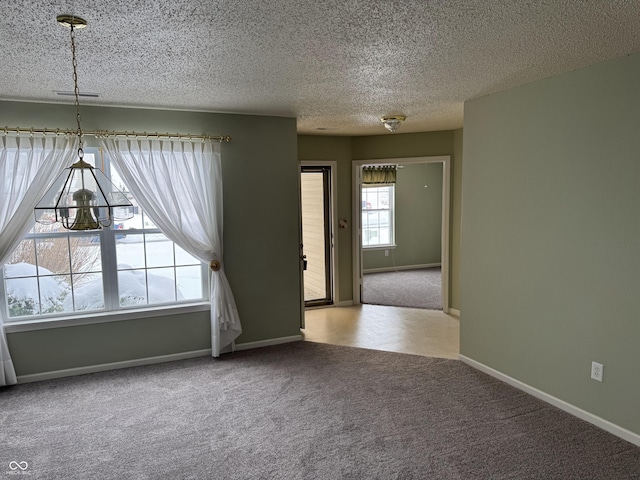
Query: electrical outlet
(597, 371)
(386, 253)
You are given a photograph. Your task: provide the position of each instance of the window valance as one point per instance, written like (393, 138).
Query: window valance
(379, 174)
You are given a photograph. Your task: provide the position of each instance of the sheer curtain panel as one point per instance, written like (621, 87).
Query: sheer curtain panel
(27, 167)
(179, 185)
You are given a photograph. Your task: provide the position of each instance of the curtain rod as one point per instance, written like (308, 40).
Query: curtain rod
(106, 134)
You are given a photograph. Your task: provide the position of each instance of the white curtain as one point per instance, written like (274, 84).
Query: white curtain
(27, 167)
(179, 185)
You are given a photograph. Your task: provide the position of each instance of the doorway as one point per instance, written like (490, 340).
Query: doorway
(391, 257)
(317, 234)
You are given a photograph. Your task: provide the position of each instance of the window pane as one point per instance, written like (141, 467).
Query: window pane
(374, 198)
(383, 197)
(372, 236)
(24, 253)
(132, 287)
(134, 222)
(85, 253)
(383, 218)
(22, 296)
(54, 290)
(130, 251)
(366, 199)
(159, 250)
(184, 258)
(88, 292)
(53, 254)
(372, 219)
(189, 280)
(385, 236)
(148, 223)
(162, 285)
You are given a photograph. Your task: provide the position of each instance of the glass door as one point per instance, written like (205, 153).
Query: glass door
(315, 195)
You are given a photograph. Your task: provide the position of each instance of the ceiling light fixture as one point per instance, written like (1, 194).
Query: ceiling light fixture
(82, 197)
(392, 122)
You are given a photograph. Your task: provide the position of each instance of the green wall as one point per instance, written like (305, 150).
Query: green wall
(550, 271)
(336, 149)
(263, 269)
(418, 220)
(344, 150)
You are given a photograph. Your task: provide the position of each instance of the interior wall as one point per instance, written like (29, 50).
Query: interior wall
(262, 268)
(455, 221)
(550, 236)
(418, 220)
(338, 149)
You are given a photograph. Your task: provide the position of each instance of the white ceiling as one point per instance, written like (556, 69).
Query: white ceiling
(335, 65)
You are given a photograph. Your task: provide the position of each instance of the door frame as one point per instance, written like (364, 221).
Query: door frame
(357, 220)
(333, 224)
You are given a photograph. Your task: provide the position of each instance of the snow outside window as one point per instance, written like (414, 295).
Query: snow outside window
(377, 216)
(59, 272)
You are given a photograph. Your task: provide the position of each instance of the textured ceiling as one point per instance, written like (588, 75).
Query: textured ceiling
(335, 65)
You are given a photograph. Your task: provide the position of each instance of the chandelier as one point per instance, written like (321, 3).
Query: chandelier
(81, 197)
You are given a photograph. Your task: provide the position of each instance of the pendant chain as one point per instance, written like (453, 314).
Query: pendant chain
(76, 91)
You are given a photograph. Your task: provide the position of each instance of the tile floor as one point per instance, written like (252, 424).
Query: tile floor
(431, 333)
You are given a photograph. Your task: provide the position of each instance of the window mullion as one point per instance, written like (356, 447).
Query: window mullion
(109, 269)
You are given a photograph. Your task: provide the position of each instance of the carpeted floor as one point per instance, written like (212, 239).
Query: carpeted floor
(418, 288)
(300, 411)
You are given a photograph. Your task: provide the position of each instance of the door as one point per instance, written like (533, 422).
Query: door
(317, 236)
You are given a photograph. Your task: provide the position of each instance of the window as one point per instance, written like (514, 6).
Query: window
(377, 215)
(131, 265)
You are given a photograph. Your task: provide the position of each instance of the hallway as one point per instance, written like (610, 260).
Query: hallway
(430, 333)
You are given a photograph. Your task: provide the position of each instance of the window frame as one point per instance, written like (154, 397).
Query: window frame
(112, 310)
(392, 216)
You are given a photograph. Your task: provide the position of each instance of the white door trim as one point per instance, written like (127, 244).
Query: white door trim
(357, 219)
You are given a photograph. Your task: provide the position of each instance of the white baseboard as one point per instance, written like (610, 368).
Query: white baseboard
(618, 431)
(69, 372)
(453, 311)
(268, 343)
(401, 267)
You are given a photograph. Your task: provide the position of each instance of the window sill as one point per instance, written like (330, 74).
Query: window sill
(103, 317)
(380, 247)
